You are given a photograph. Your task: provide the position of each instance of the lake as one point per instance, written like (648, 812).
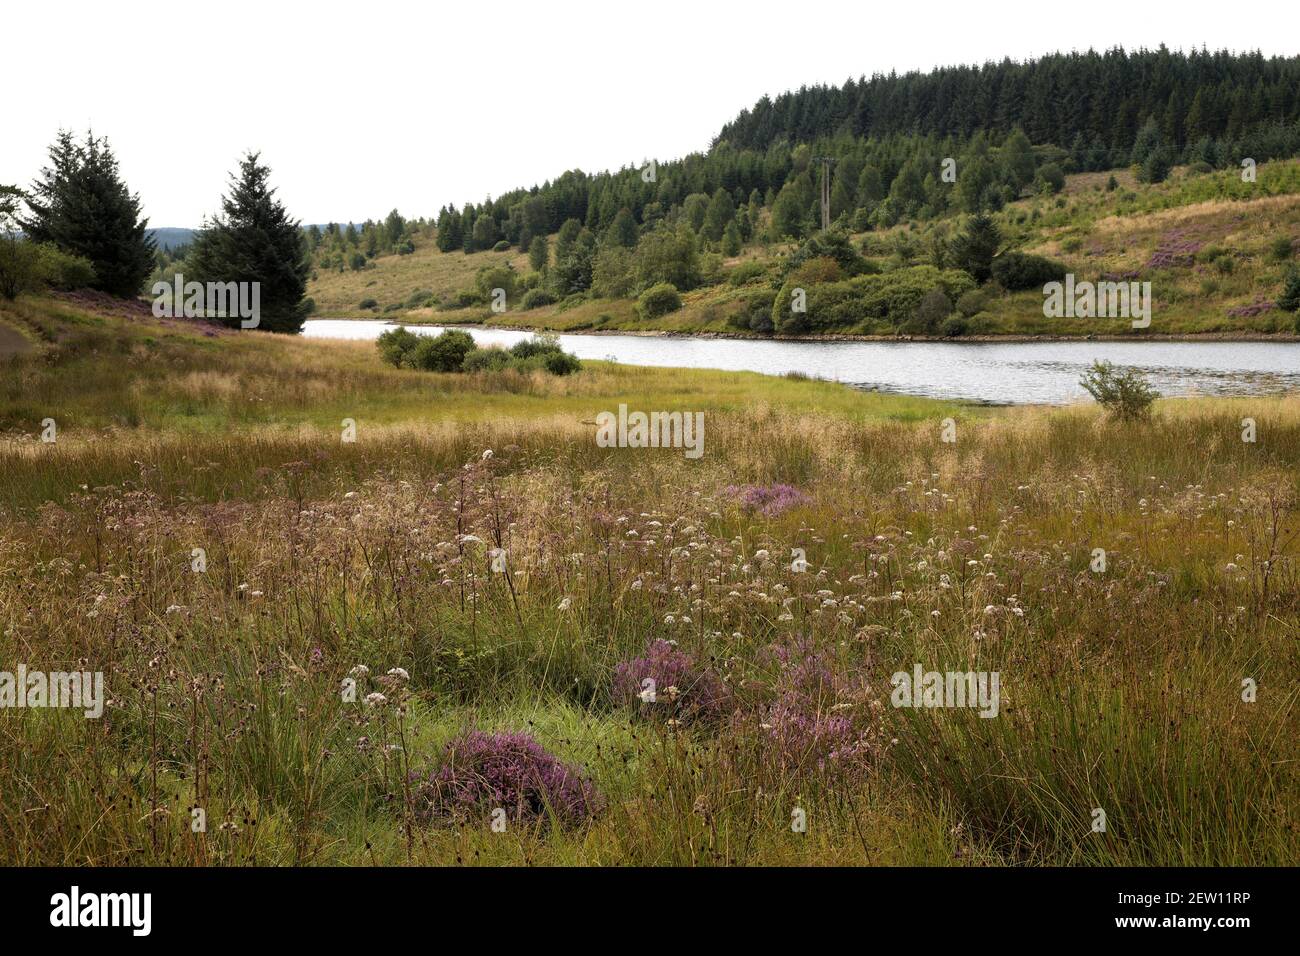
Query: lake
(993, 372)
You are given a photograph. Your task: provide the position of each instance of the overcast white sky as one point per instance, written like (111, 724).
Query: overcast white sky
(365, 105)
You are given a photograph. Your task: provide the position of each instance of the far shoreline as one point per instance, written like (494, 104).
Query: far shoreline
(985, 339)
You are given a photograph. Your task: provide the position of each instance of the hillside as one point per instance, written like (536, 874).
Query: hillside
(1214, 248)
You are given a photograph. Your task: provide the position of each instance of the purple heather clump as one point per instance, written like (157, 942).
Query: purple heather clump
(810, 727)
(1258, 307)
(682, 689)
(1175, 248)
(769, 500)
(483, 771)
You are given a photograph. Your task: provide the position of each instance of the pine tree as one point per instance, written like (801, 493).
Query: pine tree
(973, 250)
(623, 231)
(721, 211)
(731, 242)
(81, 205)
(253, 239)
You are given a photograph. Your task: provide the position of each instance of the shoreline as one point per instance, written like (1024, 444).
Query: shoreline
(1021, 338)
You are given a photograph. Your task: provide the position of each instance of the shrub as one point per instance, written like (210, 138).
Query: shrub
(490, 278)
(891, 297)
(1017, 270)
(561, 363)
(1280, 249)
(972, 302)
(61, 270)
(954, 326)
(537, 345)
(368, 304)
(395, 344)
(419, 298)
(746, 272)
(933, 308)
(483, 771)
(485, 360)
(755, 304)
(502, 245)
(536, 298)
(1050, 178)
(441, 353)
(1124, 393)
(658, 300)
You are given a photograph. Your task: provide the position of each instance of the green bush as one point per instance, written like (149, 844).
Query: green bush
(537, 345)
(441, 353)
(502, 246)
(954, 326)
(485, 360)
(1018, 270)
(368, 304)
(1050, 179)
(536, 298)
(419, 298)
(396, 344)
(658, 300)
(972, 302)
(1124, 393)
(890, 297)
(61, 270)
(746, 272)
(930, 313)
(561, 363)
(1280, 250)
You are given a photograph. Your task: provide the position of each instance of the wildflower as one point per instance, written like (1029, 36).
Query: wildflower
(483, 771)
(375, 699)
(565, 604)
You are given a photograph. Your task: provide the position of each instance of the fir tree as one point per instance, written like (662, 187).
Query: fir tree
(253, 239)
(81, 205)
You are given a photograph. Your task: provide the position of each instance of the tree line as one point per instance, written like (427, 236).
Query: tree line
(80, 226)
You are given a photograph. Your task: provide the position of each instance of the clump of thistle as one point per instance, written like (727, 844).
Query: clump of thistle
(667, 681)
(483, 772)
(769, 500)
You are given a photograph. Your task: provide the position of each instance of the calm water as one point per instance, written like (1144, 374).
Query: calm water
(1004, 373)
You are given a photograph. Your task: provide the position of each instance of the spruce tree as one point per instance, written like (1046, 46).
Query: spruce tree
(254, 240)
(973, 250)
(81, 205)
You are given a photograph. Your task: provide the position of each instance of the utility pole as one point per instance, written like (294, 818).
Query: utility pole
(827, 162)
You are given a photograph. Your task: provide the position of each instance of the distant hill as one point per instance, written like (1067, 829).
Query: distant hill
(171, 237)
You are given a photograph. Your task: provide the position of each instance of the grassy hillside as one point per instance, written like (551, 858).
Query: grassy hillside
(1121, 687)
(1212, 246)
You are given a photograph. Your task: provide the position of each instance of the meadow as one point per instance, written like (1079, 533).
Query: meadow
(427, 646)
